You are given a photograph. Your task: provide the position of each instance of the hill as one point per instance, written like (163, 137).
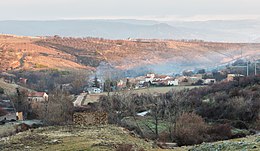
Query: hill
(21, 53)
(103, 138)
(10, 88)
(162, 56)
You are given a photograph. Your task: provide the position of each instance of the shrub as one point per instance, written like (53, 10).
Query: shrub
(190, 129)
(219, 132)
(1, 90)
(2, 112)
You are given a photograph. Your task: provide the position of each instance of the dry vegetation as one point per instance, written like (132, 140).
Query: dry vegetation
(106, 138)
(22, 53)
(87, 53)
(222, 111)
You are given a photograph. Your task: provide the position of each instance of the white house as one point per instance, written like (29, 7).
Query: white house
(230, 77)
(209, 81)
(37, 97)
(161, 77)
(94, 90)
(174, 82)
(149, 77)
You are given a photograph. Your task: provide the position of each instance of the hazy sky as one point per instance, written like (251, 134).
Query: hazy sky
(140, 9)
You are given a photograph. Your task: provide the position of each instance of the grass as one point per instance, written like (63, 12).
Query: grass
(7, 130)
(10, 88)
(162, 126)
(153, 90)
(37, 65)
(94, 138)
(249, 143)
(105, 138)
(150, 90)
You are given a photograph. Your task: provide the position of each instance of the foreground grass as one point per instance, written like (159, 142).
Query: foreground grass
(67, 138)
(249, 143)
(105, 138)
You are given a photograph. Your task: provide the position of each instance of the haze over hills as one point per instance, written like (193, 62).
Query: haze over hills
(218, 31)
(131, 56)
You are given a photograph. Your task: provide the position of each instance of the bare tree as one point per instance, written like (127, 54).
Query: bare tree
(21, 102)
(78, 82)
(58, 110)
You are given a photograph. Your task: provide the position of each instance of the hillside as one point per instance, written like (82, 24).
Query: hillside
(21, 53)
(96, 139)
(165, 56)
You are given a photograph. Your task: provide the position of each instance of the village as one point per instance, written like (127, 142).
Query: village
(97, 88)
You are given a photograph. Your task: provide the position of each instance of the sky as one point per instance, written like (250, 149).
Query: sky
(129, 9)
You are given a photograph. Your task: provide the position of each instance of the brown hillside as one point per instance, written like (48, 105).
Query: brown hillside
(86, 53)
(125, 54)
(22, 53)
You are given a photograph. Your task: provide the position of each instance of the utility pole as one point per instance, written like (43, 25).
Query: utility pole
(256, 62)
(247, 68)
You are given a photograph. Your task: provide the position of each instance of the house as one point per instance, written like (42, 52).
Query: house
(199, 76)
(120, 84)
(7, 112)
(94, 90)
(23, 80)
(161, 77)
(231, 77)
(149, 77)
(37, 97)
(172, 82)
(193, 79)
(209, 81)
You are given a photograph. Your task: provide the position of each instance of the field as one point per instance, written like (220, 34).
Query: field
(153, 90)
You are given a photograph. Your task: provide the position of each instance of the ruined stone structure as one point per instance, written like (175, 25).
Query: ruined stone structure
(90, 118)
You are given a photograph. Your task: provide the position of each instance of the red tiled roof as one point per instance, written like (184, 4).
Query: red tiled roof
(161, 76)
(36, 94)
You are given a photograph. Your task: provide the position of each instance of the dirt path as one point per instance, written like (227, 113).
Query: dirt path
(22, 60)
(79, 100)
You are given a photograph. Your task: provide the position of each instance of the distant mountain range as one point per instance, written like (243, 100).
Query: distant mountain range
(221, 31)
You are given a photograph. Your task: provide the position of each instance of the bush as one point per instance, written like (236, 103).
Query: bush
(190, 129)
(2, 112)
(219, 132)
(1, 90)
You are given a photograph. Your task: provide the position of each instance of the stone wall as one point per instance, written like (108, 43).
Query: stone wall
(90, 118)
